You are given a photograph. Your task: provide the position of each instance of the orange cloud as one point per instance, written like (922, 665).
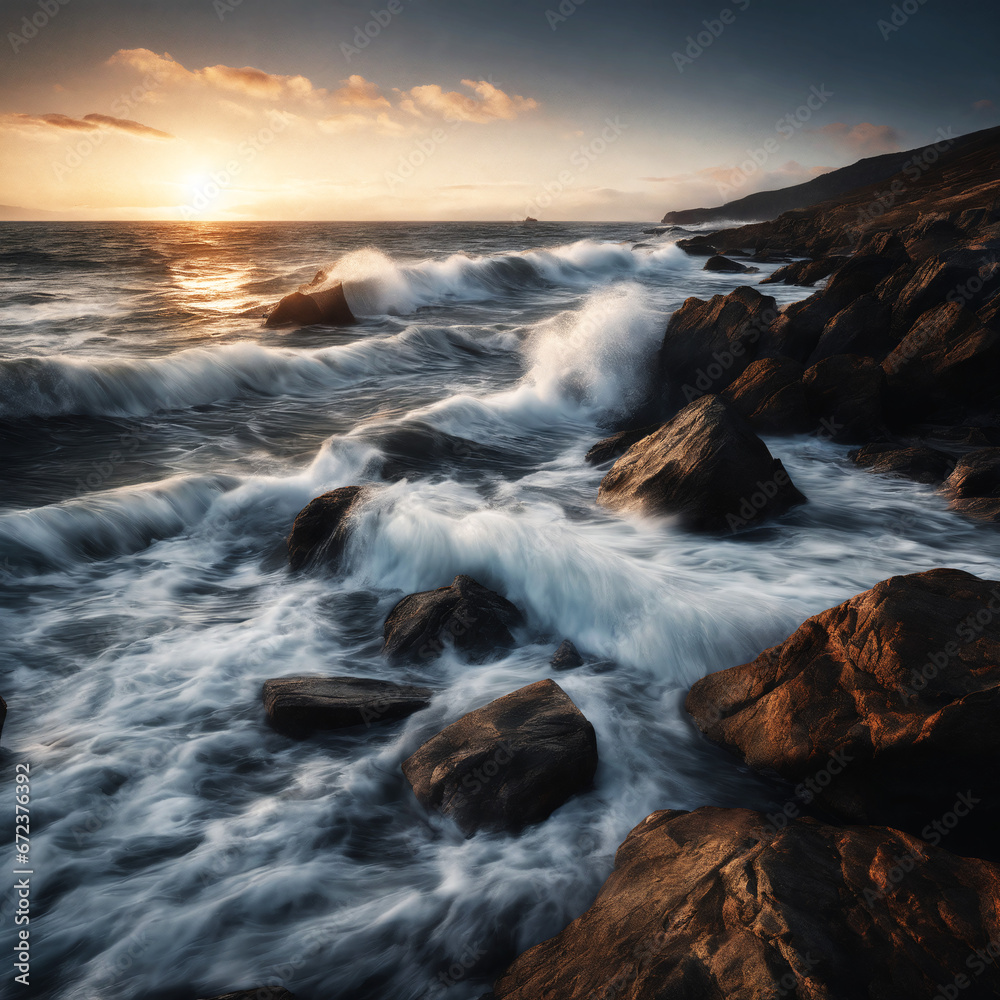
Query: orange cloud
(490, 104)
(89, 123)
(357, 92)
(864, 139)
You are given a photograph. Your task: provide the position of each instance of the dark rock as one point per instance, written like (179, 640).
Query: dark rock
(771, 396)
(891, 698)
(719, 263)
(804, 272)
(708, 344)
(844, 395)
(259, 993)
(795, 332)
(617, 444)
(328, 307)
(465, 615)
(707, 466)
(320, 529)
(566, 657)
(916, 462)
(861, 328)
(974, 486)
(859, 276)
(932, 284)
(508, 764)
(300, 705)
(887, 246)
(716, 904)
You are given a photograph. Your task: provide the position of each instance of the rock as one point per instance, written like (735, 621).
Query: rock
(509, 764)
(916, 462)
(566, 657)
(719, 263)
(300, 705)
(771, 396)
(611, 447)
(259, 993)
(328, 307)
(932, 284)
(715, 904)
(795, 332)
(706, 466)
(804, 272)
(708, 344)
(861, 328)
(465, 615)
(844, 394)
(974, 486)
(320, 529)
(947, 358)
(889, 699)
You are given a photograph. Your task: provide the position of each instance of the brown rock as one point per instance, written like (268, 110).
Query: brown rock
(465, 615)
(617, 444)
(706, 466)
(771, 396)
(890, 698)
(320, 529)
(861, 328)
(716, 905)
(932, 284)
(974, 486)
(509, 764)
(844, 394)
(916, 462)
(804, 272)
(566, 657)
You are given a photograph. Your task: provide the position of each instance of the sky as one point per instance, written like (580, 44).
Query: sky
(472, 110)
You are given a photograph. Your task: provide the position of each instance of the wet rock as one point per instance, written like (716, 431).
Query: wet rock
(974, 486)
(717, 904)
(771, 396)
(509, 764)
(707, 467)
(934, 283)
(617, 444)
(300, 705)
(917, 462)
(884, 707)
(465, 615)
(804, 272)
(708, 344)
(844, 395)
(327, 307)
(795, 332)
(320, 530)
(720, 263)
(566, 657)
(860, 328)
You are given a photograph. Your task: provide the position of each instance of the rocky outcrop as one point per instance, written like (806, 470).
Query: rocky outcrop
(327, 307)
(300, 705)
(804, 272)
(844, 396)
(707, 345)
(862, 328)
(771, 396)
(707, 467)
(882, 708)
(717, 904)
(724, 264)
(566, 657)
(320, 529)
(916, 462)
(465, 616)
(974, 486)
(509, 764)
(617, 444)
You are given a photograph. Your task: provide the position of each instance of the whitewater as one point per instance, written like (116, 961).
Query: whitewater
(157, 442)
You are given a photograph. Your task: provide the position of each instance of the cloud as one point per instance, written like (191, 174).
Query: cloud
(352, 122)
(89, 123)
(863, 139)
(490, 104)
(357, 92)
(985, 105)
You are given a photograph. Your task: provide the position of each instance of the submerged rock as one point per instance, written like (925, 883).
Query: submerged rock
(917, 462)
(974, 485)
(771, 396)
(320, 529)
(720, 263)
(465, 615)
(328, 307)
(509, 764)
(718, 904)
(566, 657)
(884, 707)
(706, 466)
(300, 705)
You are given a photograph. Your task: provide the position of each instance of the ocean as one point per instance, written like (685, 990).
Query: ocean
(156, 443)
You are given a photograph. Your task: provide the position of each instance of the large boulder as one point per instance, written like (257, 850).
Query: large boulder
(300, 705)
(708, 344)
(319, 533)
(844, 395)
(884, 708)
(974, 485)
(327, 307)
(509, 764)
(706, 466)
(465, 615)
(716, 904)
(917, 462)
(771, 396)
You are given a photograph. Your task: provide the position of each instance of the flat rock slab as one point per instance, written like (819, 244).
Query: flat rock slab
(716, 904)
(300, 705)
(465, 615)
(508, 764)
(885, 707)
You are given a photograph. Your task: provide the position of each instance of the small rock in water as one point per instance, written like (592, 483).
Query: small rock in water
(320, 529)
(566, 657)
